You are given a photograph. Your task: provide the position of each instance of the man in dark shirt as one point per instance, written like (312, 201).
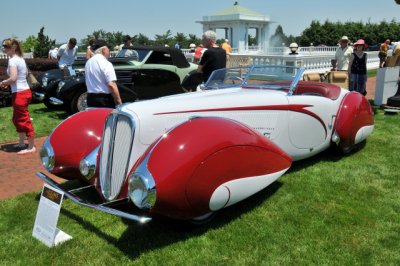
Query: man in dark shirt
(213, 58)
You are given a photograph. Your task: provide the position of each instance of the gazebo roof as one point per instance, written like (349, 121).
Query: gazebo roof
(237, 9)
(236, 13)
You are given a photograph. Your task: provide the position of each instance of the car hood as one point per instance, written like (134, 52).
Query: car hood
(155, 117)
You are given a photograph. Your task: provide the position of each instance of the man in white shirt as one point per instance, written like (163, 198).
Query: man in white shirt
(101, 79)
(343, 54)
(67, 53)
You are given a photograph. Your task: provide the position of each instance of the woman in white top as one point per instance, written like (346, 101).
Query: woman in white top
(21, 94)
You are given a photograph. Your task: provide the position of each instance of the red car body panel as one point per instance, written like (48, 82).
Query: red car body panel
(73, 140)
(355, 113)
(210, 152)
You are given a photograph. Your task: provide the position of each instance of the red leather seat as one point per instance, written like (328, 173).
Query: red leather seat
(327, 90)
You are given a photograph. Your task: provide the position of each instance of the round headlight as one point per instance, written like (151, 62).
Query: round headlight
(87, 166)
(142, 191)
(84, 167)
(47, 155)
(59, 86)
(45, 81)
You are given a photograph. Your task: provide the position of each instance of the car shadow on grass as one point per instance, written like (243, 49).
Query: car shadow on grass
(58, 114)
(160, 232)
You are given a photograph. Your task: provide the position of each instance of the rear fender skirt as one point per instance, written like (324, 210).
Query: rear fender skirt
(234, 191)
(75, 138)
(355, 120)
(194, 160)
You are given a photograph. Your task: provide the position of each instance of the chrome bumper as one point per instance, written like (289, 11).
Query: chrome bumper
(102, 208)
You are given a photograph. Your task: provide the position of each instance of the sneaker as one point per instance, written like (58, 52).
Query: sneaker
(27, 151)
(19, 146)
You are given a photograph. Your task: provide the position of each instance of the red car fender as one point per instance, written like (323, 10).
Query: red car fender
(76, 137)
(354, 113)
(195, 158)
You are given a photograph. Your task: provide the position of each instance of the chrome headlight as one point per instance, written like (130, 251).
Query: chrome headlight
(45, 80)
(142, 191)
(47, 155)
(87, 165)
(59, 86)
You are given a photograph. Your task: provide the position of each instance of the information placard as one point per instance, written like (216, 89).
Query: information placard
(45, 228)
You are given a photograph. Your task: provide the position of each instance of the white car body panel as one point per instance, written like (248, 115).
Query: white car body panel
(288, 129)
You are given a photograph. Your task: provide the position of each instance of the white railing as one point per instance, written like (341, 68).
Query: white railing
(281, 50)
(317, 50)
(313, 59)
(311, 62)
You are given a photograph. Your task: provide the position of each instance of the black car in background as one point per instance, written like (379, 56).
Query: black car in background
(148, 72)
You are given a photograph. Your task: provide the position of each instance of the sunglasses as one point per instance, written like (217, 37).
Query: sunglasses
(6, 46)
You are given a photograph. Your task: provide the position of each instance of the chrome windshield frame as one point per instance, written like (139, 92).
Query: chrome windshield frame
(212, 85)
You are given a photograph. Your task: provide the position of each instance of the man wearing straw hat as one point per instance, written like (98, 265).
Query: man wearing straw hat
(342, 55)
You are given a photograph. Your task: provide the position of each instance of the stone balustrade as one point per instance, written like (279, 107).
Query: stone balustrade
(314, 62)
(313, 59)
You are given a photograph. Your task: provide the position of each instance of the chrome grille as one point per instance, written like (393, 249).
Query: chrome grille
(116, 148)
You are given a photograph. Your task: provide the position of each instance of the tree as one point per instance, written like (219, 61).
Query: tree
(143, 40)
(29, 43)
(329, 33)
(43, 45)
(252, 40)
(181, 39)
(164, 38)
(112, 38)
(194, 39)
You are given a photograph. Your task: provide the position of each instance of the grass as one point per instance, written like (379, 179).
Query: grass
(44, 120)
(372, 72)
(328, 209)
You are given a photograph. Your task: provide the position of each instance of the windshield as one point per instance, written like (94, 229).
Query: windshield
(135, 54)
(256, 77)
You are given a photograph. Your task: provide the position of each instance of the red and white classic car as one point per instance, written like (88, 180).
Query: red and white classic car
(187, 156)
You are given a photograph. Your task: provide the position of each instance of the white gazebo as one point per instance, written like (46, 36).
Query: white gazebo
(237, 21)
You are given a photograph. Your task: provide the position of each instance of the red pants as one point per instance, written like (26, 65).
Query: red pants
(21, 118)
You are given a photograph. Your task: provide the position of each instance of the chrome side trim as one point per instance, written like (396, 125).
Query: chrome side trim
(56, 101)
(77, 200)
(147, 179)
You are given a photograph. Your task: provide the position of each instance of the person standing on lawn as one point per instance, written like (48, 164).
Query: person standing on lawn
(66, 53)
(101, 78)
(213, 58)
(21, 94)
(342, 55)
(358, 68)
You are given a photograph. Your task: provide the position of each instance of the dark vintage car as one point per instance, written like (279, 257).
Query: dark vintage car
(49, 82)
(148, 73)
(5, 97)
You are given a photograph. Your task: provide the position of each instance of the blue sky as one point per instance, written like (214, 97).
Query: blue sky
(77, 18)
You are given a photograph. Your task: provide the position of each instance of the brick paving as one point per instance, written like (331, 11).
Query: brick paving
(371, 84)
(17, 172)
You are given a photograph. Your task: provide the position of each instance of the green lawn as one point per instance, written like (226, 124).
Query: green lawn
(44, 120)
(327, 210)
